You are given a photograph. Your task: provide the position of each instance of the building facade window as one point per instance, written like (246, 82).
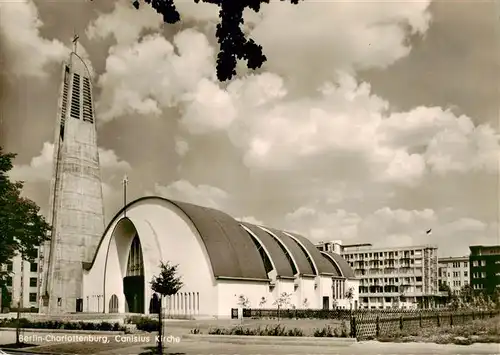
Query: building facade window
(34, 267)
(33, 297)
(33, 282)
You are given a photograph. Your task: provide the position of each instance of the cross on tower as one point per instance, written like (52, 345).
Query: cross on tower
(75, 42)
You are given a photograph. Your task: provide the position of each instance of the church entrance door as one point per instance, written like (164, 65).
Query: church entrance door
(133, 282)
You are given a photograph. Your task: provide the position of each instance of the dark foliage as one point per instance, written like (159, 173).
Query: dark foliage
(22, 228)
(167, 283)
(25, 323)
(232, 41)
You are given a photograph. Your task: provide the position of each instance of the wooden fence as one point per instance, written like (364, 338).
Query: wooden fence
(373, 323)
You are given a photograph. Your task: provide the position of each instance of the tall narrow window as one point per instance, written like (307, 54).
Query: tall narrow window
(64, 105)
(135, 265)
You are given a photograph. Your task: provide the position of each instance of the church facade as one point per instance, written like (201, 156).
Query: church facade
(219, 260)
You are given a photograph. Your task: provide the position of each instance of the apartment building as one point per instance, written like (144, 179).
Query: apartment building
(484, 264)
(405, 277)
(22, 284)
(454, 272)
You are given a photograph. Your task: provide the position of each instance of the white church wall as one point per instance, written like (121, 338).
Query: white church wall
(325, 283)
(165, 235)
(169, 236)
(229, 292)
(307, 291)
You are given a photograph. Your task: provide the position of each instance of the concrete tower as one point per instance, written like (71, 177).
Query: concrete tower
(76, 206)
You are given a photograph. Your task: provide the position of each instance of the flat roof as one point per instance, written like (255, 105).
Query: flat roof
(388, 249)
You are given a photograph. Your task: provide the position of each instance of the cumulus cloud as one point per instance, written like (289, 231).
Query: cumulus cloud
(391, 227)
(203, 195)
(181, 146)
(150, 75)
(124, 23)
(345, 35)
(305, 126)
(40, 168)
(28, 53)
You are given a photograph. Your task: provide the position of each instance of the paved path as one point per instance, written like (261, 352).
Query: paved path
(362, 348)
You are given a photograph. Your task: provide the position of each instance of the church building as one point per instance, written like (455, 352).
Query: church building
(87, 267)
(219, 260)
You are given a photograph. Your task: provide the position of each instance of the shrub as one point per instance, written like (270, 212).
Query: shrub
(25, 323)
(327, 331)
(195, 331)
(275, 330)
(147, 324)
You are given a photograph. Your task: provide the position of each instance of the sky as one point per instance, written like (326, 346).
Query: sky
(373, 123)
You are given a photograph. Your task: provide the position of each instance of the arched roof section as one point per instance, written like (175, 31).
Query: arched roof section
(276, 253)
(230, 248)
(344, 267)
(300, 257)
(322, 265)
(333, 265)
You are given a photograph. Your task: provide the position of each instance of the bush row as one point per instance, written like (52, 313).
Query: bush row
(143, 323)
(25, 323)
(279, 330)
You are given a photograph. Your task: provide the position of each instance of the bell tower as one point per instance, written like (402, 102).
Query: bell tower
(76, 204)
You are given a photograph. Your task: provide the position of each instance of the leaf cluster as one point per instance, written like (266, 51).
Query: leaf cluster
(167, 283)
(232, 41)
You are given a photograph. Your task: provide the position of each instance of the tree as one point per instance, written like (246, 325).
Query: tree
(262, 302)
(232, 41)
(282, 301)
(243, 301)
(350, 295)
(167, 283)
(22, 228)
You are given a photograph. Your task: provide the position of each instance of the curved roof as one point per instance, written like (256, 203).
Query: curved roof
(230, 248)
(232, 251)
(277, 255)
(322, 265)
(333, 265)
(344, 267)
(298, 255)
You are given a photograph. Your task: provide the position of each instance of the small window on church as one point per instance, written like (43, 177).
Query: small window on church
(59, 302)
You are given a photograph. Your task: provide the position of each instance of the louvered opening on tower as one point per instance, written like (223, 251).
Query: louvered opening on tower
(64, 106)
(75, 97)
(87, 102)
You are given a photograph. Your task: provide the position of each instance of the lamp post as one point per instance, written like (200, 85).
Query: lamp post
(99, 303)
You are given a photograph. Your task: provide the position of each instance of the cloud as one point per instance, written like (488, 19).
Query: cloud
(392, 227)
(203, 195)
(181, 146)
(124, 23)
(28, 54)
(129, 84)
(347, 36)
(40, 169)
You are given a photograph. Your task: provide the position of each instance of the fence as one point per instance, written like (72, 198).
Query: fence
(367, 324)
(373, 323)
